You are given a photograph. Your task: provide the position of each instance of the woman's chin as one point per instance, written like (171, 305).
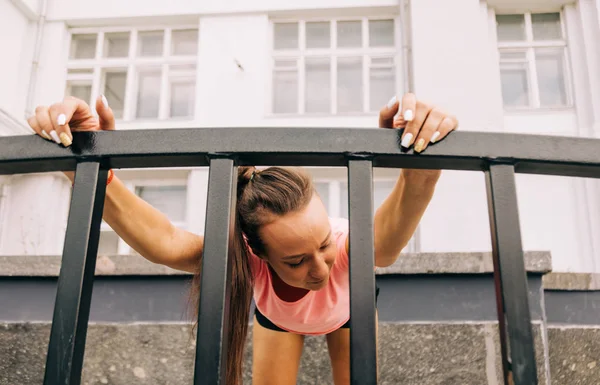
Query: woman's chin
(316, 286)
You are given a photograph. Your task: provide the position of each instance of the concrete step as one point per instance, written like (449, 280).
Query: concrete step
(409, 354)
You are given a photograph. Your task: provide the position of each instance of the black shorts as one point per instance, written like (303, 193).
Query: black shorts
(267, 324)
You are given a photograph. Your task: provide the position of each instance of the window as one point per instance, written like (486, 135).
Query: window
(144, 74)
(171, 200)
(333, 66)
(533, 67)
(334, 194)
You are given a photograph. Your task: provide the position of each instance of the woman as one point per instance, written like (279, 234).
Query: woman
(287, 252)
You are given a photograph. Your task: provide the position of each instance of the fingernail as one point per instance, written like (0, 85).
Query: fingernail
(408, 115)
(392, 102)
(54, 136)
(407, 140)
(104, 101)
(65, 140)
(61, 120)
(420, 145)
(435, 136)
(45, 135)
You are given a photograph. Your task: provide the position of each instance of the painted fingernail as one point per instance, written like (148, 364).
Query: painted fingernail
(435, 136)
(420, 145)
(407, 140)
(65, 139)
(104, 101)
(54, 136)
(392, 102)
(45, 135)
(408, 115)
(61, 120)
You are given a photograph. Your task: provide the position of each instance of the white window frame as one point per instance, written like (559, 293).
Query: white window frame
(130, 64)
(122, 247)
(334, 207)
(366, 52)
(529, 46)
(3, 207)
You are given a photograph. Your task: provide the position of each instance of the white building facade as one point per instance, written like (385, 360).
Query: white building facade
(528, 67)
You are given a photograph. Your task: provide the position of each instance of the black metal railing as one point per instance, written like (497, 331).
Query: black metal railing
(499, 156)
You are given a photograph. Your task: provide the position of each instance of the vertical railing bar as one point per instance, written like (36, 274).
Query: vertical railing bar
(363, 332)
(509, 266)
(75, 283)
(212, 333)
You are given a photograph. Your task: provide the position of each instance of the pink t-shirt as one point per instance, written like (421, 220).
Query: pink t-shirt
(318, 312)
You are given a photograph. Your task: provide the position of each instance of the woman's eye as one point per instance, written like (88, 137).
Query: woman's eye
(326, 246)
(294, 265)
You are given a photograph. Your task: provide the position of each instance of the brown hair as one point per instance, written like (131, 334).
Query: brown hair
(262, 196)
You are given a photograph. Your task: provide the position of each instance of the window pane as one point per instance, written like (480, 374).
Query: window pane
(318, 88)
(285, 87)
(150, 43)
(513, 56)
(318, 35)
(169, 200)
(381, 190)
(184, 42)
(80, 91)
(349, 34)
(148, 96)
(116, 45)
(515, 88)
(546, 26)
(109, 243)
(323, 191)
(551, 77)
(381, 33)
(81, 71)
(114, 90)
(349, 84)
(383, 86)
(83, 46)
(182, 99)
(286, 36)
(510, 27)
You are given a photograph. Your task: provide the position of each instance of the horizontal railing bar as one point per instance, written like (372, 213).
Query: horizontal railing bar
(302, 146)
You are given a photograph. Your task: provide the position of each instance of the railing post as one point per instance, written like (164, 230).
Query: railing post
(212, 333)
(510, 276)
(363, 332)
(75, 283)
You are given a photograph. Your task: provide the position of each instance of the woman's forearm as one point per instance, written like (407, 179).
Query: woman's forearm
(398, 217)
(147, 230)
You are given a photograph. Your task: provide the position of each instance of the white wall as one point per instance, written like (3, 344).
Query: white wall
(16, 46)
(455, 67)
(77, 11)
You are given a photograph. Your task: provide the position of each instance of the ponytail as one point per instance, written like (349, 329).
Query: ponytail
(260, 196)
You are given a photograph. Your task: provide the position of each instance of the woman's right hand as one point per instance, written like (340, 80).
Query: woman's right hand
(58, 121)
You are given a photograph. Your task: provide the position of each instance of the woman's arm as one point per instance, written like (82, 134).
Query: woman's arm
(398, 217)
(148, 231)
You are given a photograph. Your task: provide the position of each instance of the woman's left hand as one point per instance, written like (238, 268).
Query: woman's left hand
(423, 123)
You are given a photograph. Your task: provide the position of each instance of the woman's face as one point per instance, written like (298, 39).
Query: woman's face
(300, 246)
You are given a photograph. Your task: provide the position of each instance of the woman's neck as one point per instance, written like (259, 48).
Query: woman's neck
(284, 291)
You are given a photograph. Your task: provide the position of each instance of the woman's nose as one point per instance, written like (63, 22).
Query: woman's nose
(321, 267)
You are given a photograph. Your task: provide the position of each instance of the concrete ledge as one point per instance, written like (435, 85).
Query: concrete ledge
(130, 354)
(49, 266)
(460, 263)
(572, 281)
(410, 263)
